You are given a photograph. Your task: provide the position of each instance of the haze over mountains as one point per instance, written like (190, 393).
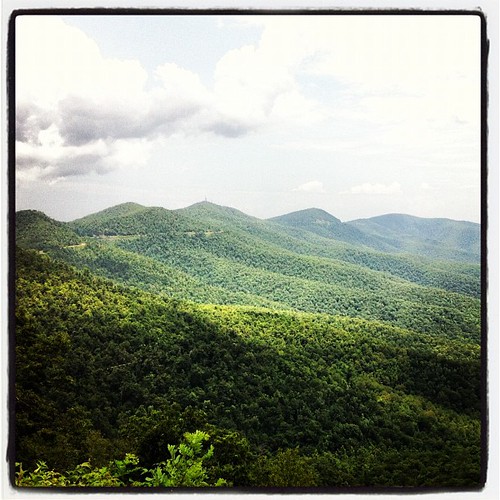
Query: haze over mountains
(390, 233)
(393, 233)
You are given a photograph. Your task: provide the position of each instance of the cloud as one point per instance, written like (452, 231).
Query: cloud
(91, 103)
(393, 85)
(375, 189)
(254, 86)
(311, 187)
(91, 106)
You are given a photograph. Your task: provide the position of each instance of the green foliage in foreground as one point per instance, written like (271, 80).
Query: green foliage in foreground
(287, 398)
(184, 468)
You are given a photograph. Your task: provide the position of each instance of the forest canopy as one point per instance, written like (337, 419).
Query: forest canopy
(221, 351)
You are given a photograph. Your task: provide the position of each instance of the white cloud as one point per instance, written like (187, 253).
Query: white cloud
(311, 187)
(395, 88)
(79, 112)
(72, 100)
(375, 189)
(254, 86)
(55, 60)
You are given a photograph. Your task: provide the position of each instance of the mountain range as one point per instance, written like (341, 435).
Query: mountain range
(314, 352)
(307, 260)
(395, 233)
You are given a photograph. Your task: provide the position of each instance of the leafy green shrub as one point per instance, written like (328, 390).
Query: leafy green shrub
(184, 468)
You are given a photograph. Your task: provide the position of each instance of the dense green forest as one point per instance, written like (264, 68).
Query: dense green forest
(203, 347)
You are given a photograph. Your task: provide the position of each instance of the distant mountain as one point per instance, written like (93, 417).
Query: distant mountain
(438, 238)
(313, 217)
(394, 233)
(326, 225)
(216, 214)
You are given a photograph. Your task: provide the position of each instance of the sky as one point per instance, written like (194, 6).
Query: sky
(358, 115)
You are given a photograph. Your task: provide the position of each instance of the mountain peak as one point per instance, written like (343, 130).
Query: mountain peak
(120, 210)
(308, 216)
(34, 229)
(212, 210)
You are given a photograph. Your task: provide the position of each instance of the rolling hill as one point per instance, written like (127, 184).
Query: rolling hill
(208, 253)
(437, 238)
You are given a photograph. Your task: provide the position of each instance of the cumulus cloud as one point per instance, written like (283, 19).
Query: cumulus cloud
(92, 104)
(311, 187)
(76, 109)
(398, 88)
(78, 112)
(375, 189)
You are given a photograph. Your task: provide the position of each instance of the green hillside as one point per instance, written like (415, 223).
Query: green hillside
(131, 218)
(452, 276)
(288, 398)
(438, 238)
(442, 239)
(34, 229)
(229, 223)
(218, 216)
(219, 255)
(322, 223)
(309, 360)
(312, 284)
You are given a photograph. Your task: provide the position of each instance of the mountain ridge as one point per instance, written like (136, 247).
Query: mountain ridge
(393, 233)
(228, 257)
(205, 203)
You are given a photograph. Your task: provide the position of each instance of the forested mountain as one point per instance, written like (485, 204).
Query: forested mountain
(324, 224)
(131, 218)
(439, 238)
(35, 230)
(219, 255)
(309, 357)
(395, 233)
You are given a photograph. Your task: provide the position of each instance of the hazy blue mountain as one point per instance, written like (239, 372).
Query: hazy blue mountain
(394, 233)
(326, 225)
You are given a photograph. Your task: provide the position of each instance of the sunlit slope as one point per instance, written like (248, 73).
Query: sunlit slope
(215, 254)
